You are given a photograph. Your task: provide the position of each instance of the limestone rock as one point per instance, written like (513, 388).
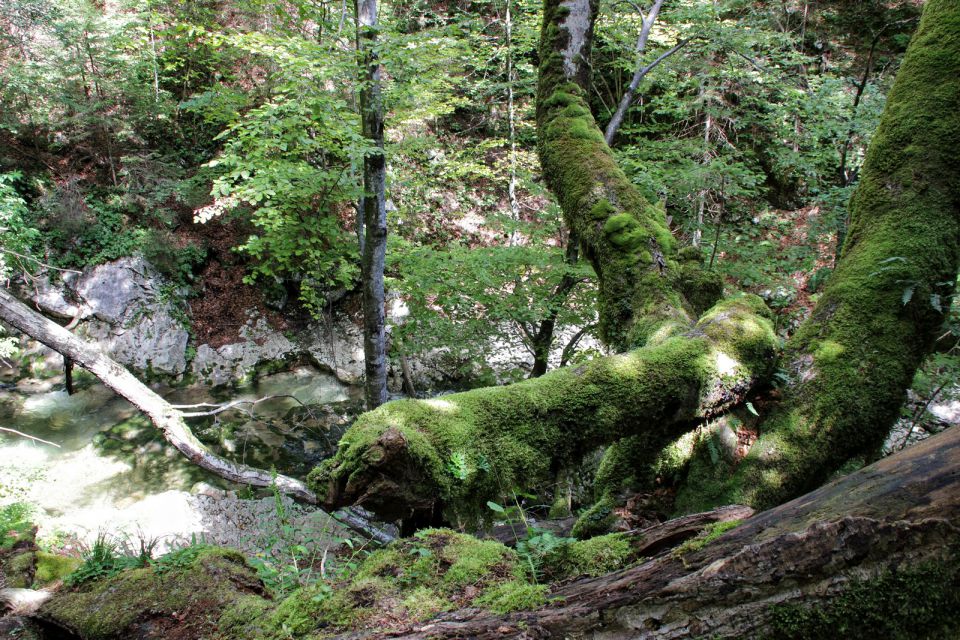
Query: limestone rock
(127, 310)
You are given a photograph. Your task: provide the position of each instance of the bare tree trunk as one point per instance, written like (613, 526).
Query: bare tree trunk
(641, 71)
(511, 114)
(161, 413)
(705, 160)
(374, 208)
(543, 339)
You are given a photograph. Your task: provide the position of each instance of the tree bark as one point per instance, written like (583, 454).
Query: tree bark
(779, 573)
(374, 207)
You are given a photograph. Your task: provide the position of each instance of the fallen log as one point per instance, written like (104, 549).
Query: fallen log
(779, 573)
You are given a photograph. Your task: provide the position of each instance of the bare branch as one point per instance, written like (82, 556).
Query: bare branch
(29, 437)
(233, 404)
(42, 264)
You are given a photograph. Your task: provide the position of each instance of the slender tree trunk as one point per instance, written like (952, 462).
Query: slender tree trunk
(705, 160)
(68, 375)
(640, 73)
(845, 177)
(374, 208)
(543, 339)
(511, 114)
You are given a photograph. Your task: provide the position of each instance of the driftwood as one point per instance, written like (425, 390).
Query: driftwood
(895, 514)
(162, 414)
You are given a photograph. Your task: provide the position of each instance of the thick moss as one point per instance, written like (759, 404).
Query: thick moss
(515, 595)
(144, 603)
(457, 452)
(852, 361)
(413, 579)
(593, 557)
(51, 568)
(19, 569)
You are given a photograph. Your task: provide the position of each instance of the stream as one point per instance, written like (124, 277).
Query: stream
(113, 474)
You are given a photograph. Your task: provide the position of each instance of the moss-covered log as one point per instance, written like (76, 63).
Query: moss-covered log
(851, 362)
(882, 308)
(872, 555)
(412, 459)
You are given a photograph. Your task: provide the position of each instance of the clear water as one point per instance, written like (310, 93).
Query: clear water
(113, 471)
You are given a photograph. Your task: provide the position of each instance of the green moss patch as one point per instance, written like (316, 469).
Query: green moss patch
(413, 579)
(144, 603)
(915, 602)
(51, 568)
(593, 557)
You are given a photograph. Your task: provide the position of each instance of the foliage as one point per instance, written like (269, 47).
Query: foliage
(103, 560)
(484, 298)
(15, 524)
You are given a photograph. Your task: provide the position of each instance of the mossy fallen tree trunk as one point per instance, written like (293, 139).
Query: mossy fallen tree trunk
(422, 459)
(872, 555)
(850, 363)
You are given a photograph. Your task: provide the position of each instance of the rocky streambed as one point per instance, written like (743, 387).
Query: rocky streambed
(112, 472)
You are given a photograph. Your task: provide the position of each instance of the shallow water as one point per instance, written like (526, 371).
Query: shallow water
(113, 472)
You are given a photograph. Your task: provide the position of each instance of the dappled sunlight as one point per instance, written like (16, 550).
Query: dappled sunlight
(444, 406)
(725, 365)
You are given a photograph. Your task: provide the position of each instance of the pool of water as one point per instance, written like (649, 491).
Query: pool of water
(112, 472)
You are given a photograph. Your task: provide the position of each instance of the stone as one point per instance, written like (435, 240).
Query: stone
(128, 310)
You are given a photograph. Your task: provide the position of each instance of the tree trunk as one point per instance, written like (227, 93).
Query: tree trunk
(865, 556)
(411, 459)
(374, 207)
(851, 363)
(542, 340)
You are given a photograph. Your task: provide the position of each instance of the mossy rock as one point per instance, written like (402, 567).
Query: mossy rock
(51, 568)
(18, 569)
(144, 603)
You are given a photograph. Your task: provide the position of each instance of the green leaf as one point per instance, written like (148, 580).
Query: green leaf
(495, 507)
(908, 294)
(752, 410)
